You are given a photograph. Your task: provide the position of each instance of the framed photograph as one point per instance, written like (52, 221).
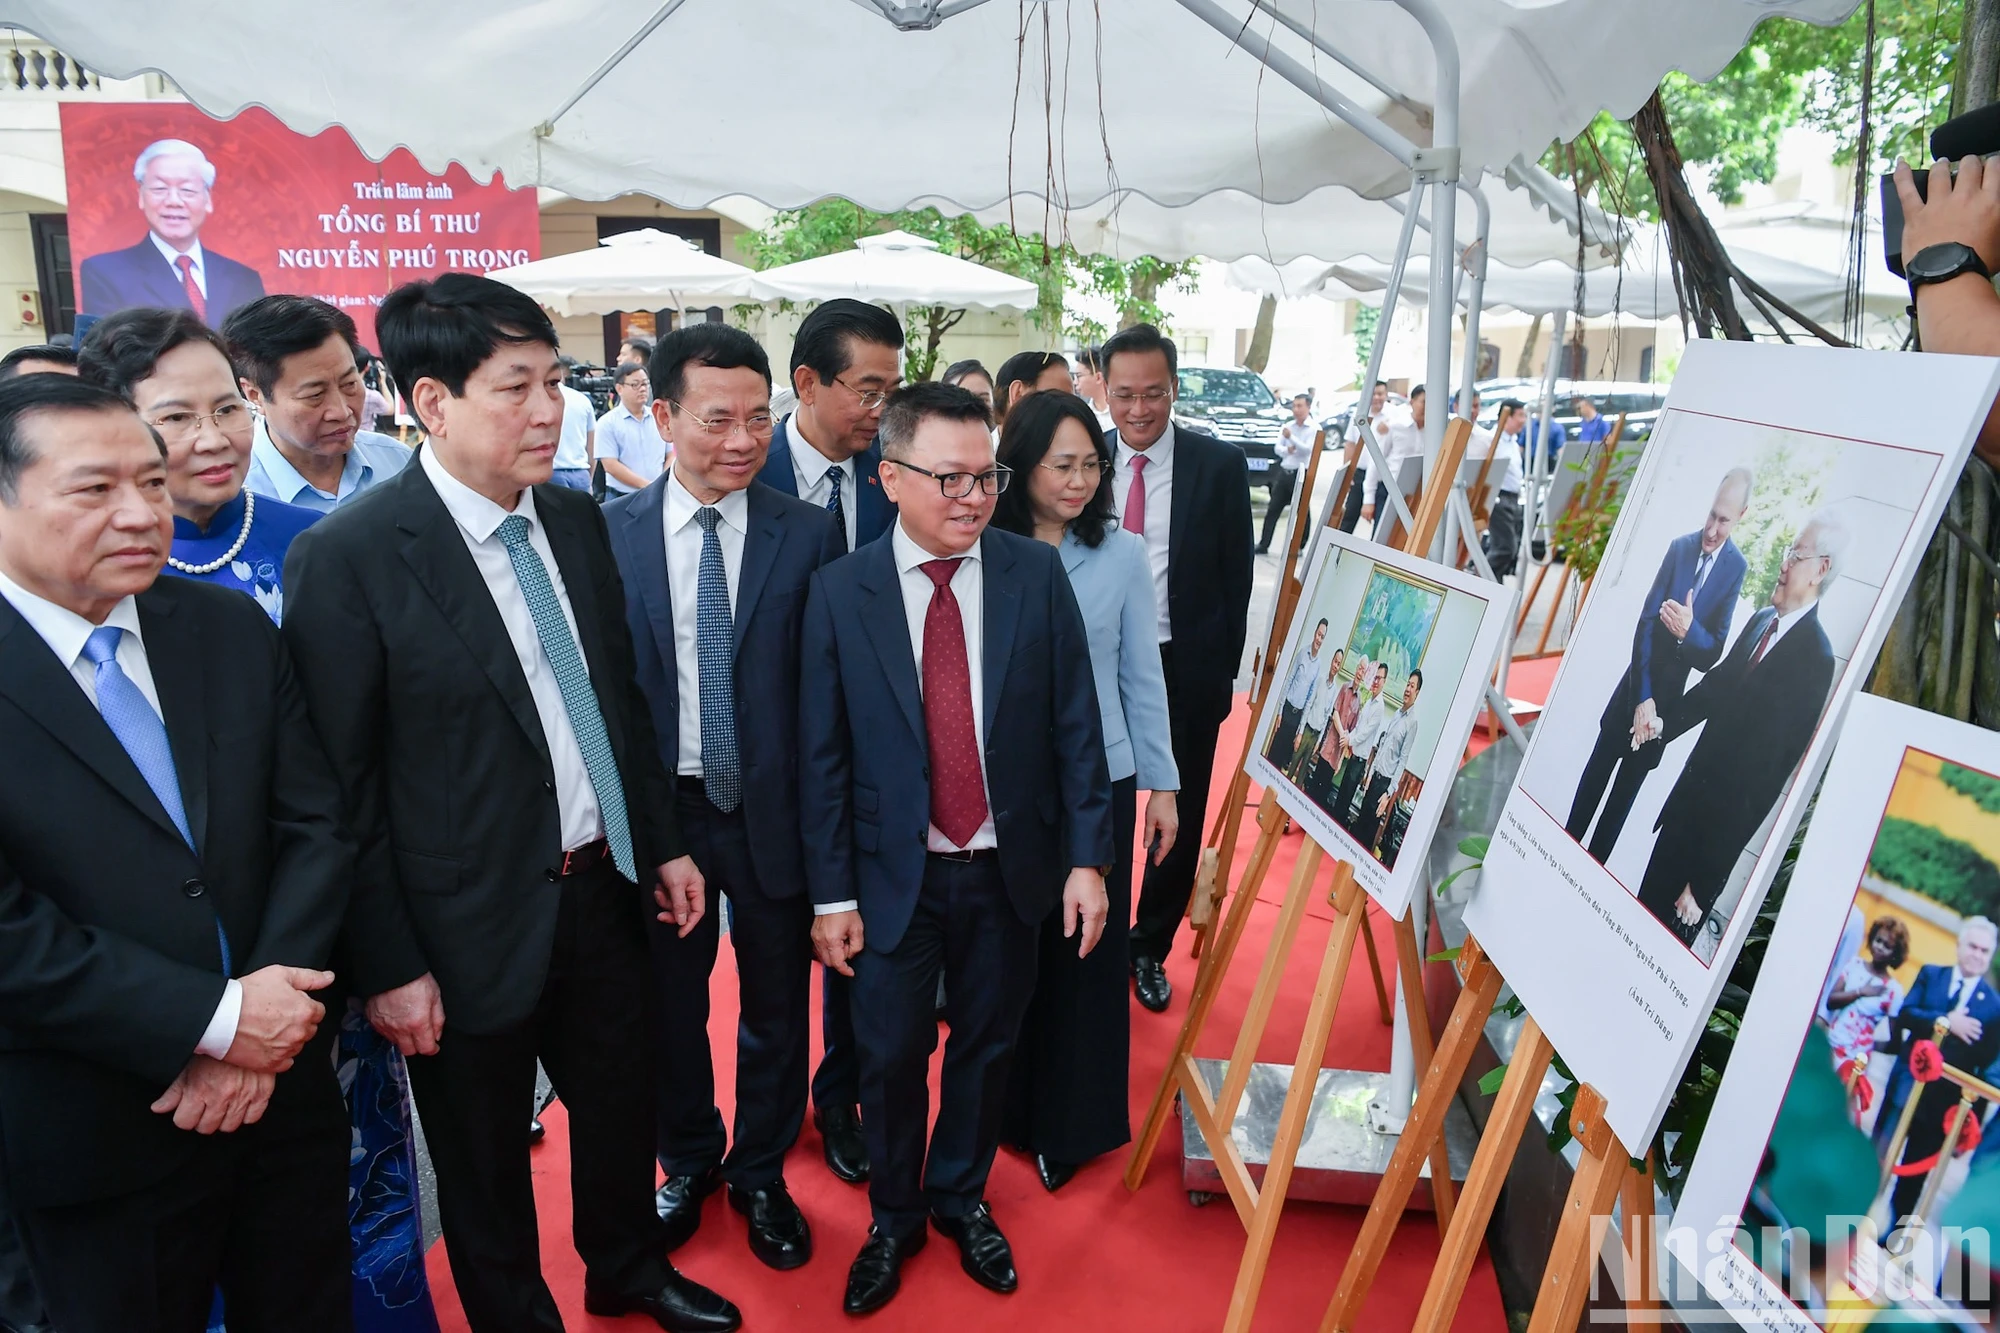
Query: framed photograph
(1766, 539)
(1380, 681)
(1850, 1170)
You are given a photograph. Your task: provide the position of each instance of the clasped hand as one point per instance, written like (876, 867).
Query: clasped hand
(1646, 724)
(277, 1018)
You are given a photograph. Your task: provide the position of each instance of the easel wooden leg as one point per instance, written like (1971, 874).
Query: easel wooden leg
(1435, 1094)
(1635, 1202)
(1573, 1258)
(1375, 970)
(1410, 977)
(1298, 1102)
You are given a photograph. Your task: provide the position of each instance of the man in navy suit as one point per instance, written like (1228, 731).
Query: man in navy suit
(954, 792)
(715, 566)
(1762, 705)
(846, 360)
(169, 267)
(1683, 625)
(1962, 997)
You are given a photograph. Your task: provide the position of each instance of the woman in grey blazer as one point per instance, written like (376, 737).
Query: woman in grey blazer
(1068, 1096)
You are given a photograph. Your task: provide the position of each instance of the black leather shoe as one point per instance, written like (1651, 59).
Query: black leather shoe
(983, 1252)
(1054, 1174)
(877, 1270)
(679, 1204)
(682, 1306)
(536, 1131)
(779, 1235)
(840, 1139)
(1149, 981)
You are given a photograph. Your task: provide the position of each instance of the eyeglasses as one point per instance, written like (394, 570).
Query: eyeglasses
(870, 398)
(758, 426)
(1793, 555)
(959, 485)
(228, 419)
(180, 194)
(1091, 468)
(1150, 397)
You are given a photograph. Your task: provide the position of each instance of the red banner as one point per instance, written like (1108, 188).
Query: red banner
(168, 206)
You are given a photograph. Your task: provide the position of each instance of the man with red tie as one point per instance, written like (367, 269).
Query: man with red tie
(169, 266)
(953, 792)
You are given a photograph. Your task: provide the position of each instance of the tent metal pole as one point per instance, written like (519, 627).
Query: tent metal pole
(661, 15)
(1439, 165)
(1364, 420)
(1475, 263)
(1327, 48)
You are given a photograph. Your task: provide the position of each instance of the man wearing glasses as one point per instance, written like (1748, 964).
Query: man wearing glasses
(846, 360)
(715, 567)
(169, 266)
(1188, 495)
(1762, 705)
(954, 792)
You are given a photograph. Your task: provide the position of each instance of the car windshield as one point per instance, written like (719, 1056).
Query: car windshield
(1225, 388)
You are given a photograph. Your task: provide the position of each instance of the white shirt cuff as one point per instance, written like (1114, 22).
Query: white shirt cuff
(828, 909)
(221, 1032)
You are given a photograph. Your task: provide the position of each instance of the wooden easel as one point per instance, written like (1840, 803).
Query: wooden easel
(1259, 1205)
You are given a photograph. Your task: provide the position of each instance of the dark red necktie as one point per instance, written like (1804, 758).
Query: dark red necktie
(1764, 641)
(958, 791)
(196, 301)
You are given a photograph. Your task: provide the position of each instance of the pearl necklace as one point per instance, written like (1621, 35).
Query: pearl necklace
(242, 536)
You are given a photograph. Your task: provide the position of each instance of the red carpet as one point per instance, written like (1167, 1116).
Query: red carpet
(1093, 1256)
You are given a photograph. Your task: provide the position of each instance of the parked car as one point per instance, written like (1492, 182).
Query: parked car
(1237, 407)
(1639, 401)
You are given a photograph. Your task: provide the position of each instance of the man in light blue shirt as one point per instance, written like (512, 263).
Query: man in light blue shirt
(297, 361)
(1298, 692)
(628, 443)
(579, 435)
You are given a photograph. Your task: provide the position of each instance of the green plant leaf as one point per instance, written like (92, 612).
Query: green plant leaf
(1443, 956)
(1490, 1081)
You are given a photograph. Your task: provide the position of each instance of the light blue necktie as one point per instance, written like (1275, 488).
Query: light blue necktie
(834, 505)
(144, 736)
(573, 679)
(715, 651)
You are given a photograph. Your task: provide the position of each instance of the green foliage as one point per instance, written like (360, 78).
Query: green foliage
(1785, 493)
(1134, 288)
(1953, 874)
(1983, 788)
(1365, 319)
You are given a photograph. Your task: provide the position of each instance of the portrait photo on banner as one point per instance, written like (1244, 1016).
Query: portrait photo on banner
(1381, 677)
(1771, 525)
(1855, 1119)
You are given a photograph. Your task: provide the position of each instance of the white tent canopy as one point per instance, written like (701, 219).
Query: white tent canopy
(900, 269)
(635, 270)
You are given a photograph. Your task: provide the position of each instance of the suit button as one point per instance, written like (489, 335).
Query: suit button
(550, 875)
(547, 785)
(193, 888)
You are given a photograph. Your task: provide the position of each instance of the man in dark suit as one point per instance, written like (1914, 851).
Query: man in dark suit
(1683, 626)
(169, 266)
(715, 567)
(173, 873)
(1762, 705)
(462, 637)
(954, 792)
(1962, 997)
(846, 360)
(1188, 495)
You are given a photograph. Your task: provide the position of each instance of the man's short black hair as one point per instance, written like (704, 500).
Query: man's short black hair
(639, 343)
(25, 396)
(123, 348)
(1508, 406)
(446, 327)
(1142, 338)
(1091, 358)
(716, 345)
(1022, 368)
(10, 364)
(1416, 393)
(1417, 676)
(264, 332)
(627, 369)
(1322, 623)
(910, 405)
(822, 342)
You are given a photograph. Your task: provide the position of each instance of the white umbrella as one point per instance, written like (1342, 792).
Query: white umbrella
(900, 269)
(647, 269)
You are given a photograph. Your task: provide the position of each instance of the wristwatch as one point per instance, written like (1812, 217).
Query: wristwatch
(1941, 263)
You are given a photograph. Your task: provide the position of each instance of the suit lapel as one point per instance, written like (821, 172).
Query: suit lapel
(174, 654)
(777, 470)
(765, 535)
(48, 695)
(434, 549)
(872, 510)
(642, 528)
(1002, 614)
(888, 628)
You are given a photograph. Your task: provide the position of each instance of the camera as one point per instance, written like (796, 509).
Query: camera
(1974, 134)
(594, 383)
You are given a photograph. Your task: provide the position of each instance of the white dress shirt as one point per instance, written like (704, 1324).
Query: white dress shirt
(1785, 622)
(811, 469)
(1299, 684)
(1368, 726)
(478, 520)
(66, 632)
(1295, 444)
(1504, 476)
(683, 537)
(1159, 478)
(173, 258)
(1392, 752)
(579, 417)
(967, 584)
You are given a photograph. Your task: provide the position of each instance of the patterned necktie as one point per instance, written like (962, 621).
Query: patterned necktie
(715, 651)
(573, 680)
(1701, 570)
(958, 789)
(139, 729)
(196, 300)
(834, 505)
(1134, 519)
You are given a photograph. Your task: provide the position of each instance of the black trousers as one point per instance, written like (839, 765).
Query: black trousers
(772, 938)
(1070, 1093)
(1285, 736)
(1318, 785)
(1351, 769)
(1685, 858)
(1350, 514)
(1611, 754)
(262, 1213)
(836, 1083)
(1164, 889)
(1503, 533)
(593, 1033)
(1284, 485)
(1368, 824)
(965, 929)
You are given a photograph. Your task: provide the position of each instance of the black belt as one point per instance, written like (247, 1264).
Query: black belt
(578, 860)
(969, 855)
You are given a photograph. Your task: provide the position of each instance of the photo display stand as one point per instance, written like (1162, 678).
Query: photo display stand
(1214, 1111)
